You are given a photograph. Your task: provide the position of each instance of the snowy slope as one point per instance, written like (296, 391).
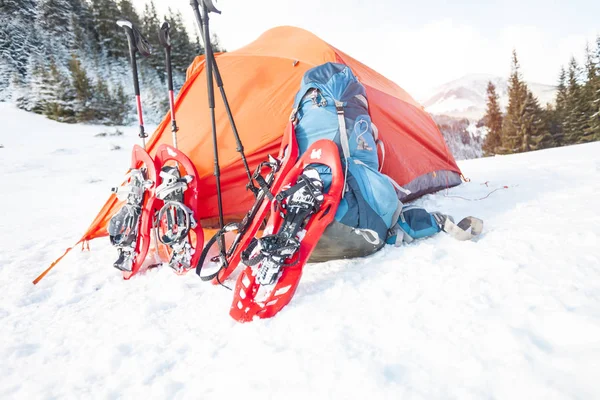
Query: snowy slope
(466, 97)
(514, 315)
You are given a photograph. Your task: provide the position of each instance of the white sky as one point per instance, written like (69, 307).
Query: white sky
(425, 44)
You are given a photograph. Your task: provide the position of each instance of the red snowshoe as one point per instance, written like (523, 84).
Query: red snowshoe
(129, 229)
(299, 215)
(157, 197)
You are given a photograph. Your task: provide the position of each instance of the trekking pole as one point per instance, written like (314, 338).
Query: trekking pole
(165, 40)
(211, 100)
(137, 43)
(202, 21)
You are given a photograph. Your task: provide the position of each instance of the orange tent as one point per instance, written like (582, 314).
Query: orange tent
(261, 80)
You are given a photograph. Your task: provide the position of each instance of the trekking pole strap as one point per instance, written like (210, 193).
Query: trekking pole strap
(339, 107)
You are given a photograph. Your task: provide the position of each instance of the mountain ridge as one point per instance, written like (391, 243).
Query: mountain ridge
(466, 97)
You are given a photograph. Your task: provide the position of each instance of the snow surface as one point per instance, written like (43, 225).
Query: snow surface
(515, 314)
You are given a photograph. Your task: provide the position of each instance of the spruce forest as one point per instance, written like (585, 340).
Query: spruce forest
(526, 125)
(69, 60)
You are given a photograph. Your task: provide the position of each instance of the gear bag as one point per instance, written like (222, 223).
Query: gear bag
(332, 104)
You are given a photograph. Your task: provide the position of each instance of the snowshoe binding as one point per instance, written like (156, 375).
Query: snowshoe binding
(175, 219)
(123, 227)
(297, 204)
(299, 215)
(175, 224)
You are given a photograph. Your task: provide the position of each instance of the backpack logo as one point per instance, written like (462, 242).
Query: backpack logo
(316, 154)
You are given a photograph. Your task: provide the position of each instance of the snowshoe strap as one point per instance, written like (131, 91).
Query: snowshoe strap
(166, 188)
(183, 220)
(123, 192)
(264, 186)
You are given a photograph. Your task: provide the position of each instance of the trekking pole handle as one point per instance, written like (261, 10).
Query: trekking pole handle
(210, 6)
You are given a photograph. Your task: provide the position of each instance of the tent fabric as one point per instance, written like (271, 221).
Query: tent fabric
(260, 81)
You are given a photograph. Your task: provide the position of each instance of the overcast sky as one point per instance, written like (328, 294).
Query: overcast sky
(422, 44)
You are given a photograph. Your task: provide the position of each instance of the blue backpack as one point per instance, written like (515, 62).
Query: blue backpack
(332, 104)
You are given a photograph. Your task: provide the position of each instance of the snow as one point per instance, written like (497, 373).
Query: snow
(515, 314)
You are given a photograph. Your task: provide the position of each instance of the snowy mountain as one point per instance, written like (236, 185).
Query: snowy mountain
(466, 97)
(513, 315)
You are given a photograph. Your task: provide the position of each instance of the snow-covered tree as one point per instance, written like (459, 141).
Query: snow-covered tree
(69, 59)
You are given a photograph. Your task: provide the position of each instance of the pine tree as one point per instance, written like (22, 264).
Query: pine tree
(558, 114)
(593, 132)
(120, 108)
(493, 120)
(68, 58)
(183, 50)
(28, 95)
(216, 44)
(512, 132)
(149, 28)
(199, 48)
(101, 103)
(17, 42)
(552, 125)
(575, 121)
(533, 130)
(58, 95)
(588, 97)
(109, 36)
(129, 12)
(86, 37)
(83, 90)
(55, 18)
(524, 126)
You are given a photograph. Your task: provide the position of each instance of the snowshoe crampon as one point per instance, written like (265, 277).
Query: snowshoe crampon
(222, 253)
(177, 229)
(130, 228)
(299, 215)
